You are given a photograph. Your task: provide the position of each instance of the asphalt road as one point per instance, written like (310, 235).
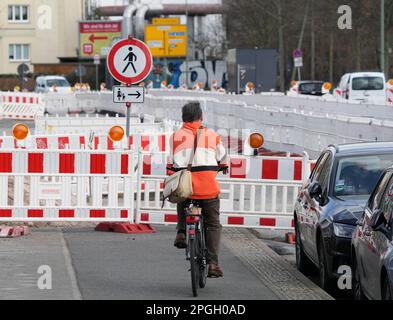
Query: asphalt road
(90, 265)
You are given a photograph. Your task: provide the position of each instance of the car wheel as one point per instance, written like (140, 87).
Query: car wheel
(326, 282)
(303, 263)
(358, 293)
(386, 290)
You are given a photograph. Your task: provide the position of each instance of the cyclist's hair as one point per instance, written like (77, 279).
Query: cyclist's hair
(192, 112)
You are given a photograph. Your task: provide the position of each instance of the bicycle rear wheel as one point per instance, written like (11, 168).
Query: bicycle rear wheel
(194, 266)
(203, 270)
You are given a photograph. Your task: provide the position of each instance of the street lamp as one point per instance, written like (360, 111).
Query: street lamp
(382, 36)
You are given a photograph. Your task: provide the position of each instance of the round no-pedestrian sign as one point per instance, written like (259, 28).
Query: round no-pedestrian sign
(130, 61)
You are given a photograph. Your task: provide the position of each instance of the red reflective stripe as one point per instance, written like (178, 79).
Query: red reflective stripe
(35, 213)
(124, 164)
(298, 175)
(145, 217)
(238, 168)
(24, 100)
(270, 169)
(170, 218)
(124, 214)
(6, 213)
(97, 213)
(42, 143)
(162, 143)
(17, 99)
(312, 166)
(97, 164)
(147, 165)
(293, 223)
(130, 142)
(267, 222)
(110, 144)
(82, 141)
(35, 163)
(145, 143)
(63, 142)
(67, 163)
(32, 100)
(66, 214)
(5, 162)
(96, 143)
(236, 221)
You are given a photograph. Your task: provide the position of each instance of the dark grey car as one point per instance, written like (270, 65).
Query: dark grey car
(372, 246)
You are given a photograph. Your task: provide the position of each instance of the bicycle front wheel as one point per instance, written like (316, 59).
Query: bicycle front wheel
(194, 266)
(203, 270)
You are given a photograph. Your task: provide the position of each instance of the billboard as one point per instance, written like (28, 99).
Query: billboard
(95, 37)
(167, 41)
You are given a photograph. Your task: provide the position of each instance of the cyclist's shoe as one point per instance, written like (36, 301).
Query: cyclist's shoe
(215, 271)
(180, 241)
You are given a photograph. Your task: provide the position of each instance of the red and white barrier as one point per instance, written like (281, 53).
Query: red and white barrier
(23, 106)
(67, 185)
(267, 168)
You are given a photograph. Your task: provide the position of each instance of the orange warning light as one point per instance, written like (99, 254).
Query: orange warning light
(256, 140)
(20, 131)
(116, 133)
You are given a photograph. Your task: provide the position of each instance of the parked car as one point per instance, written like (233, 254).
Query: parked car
(330, 204)
(368, 87)
(310, 88)
(372, 251)
(46, 84)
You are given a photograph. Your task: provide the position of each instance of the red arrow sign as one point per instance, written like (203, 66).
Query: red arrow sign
(93, 38)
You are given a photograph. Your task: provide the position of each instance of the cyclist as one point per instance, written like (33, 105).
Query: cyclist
(210, 156)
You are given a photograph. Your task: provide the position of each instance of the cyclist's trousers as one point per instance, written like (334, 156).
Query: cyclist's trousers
(211, 213)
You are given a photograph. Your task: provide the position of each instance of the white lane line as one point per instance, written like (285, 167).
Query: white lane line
(70, 269)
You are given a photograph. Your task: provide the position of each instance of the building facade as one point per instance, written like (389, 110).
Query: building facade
(37, 32)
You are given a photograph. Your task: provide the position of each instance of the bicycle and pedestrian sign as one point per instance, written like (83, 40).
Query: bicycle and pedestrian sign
(129, 62)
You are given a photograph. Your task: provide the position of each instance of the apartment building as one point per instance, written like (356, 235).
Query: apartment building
(38, 31)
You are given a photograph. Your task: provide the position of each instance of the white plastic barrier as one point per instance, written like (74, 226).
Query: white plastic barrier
(99, 125)
(20, 105)
(66, 186)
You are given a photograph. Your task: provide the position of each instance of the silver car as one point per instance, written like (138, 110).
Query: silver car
(372, 246)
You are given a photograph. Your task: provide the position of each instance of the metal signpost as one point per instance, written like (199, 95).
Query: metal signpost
(97, 62)
(129, 62)
(298, 61)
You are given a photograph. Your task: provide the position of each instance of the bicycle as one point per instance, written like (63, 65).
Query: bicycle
(196, 251)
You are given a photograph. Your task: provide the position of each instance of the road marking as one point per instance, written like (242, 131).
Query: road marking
(70, 269)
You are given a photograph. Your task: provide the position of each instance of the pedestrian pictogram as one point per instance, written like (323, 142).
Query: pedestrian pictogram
(128, 94)
(130, 61)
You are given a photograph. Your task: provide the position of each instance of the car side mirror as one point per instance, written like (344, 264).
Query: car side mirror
(378, 223)
(316, 193)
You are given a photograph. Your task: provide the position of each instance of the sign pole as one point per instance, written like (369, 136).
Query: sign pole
(128, 119)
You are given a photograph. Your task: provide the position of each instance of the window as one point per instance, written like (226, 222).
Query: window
(387, 201)
(368, 83)
(358, 176)
(323, 177)
(378, 192)
(18, 13)
(19, 52)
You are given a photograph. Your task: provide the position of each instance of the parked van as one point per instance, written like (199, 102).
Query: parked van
(45, 84)
(368, 87)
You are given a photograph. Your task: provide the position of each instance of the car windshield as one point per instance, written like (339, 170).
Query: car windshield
(357, 176)
(312, 87)
(368, 83)
(58, 83)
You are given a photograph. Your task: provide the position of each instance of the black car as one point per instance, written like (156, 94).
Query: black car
(312, 88)
(372, 251)
(330, 204)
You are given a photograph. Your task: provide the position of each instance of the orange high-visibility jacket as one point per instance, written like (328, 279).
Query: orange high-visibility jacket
(209, 157)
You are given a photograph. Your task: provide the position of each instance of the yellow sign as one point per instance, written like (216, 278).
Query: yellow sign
(97, 37)
(166, 21)
(167, 41)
